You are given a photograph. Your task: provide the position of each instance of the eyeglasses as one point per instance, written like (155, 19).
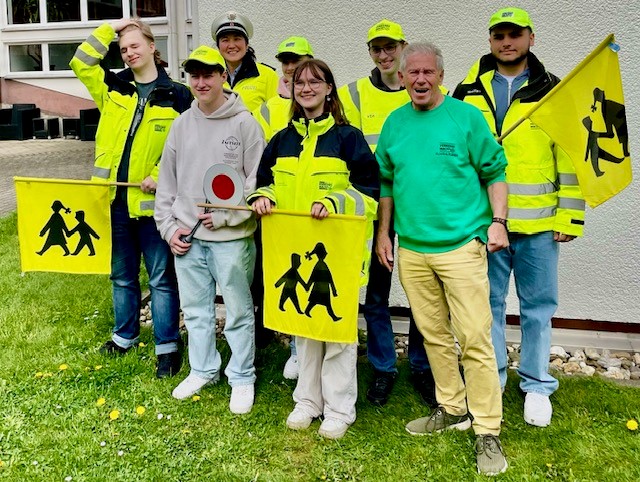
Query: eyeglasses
(388, 49)
(314, 84)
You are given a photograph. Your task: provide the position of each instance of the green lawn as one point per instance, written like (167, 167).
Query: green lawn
(52, 429)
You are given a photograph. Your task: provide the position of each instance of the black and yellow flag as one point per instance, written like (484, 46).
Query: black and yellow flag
(312, 274)
(585, 115)
(63, 225)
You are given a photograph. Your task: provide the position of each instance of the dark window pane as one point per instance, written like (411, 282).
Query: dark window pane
(101, 10)
(148, 8)
(23, 11)
(60, 55)
(63, 10)
(25, 58)
(113, 59)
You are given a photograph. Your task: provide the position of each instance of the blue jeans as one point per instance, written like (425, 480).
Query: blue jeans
(381, 349)
(229, 265)
(534, 261)
(132, 238)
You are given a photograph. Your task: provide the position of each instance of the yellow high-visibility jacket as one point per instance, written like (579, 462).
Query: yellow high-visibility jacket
(543, 188)
(273, 115)
(255, 83)
(116, 97)
(318, 161)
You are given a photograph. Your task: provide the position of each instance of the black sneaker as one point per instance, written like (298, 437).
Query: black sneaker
(425, 385)
(380, 389)
(169, 364)
(111, 348)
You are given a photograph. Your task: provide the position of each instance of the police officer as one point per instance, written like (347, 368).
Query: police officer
(253, 81)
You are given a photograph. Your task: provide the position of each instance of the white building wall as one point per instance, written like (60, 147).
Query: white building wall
(599, 274)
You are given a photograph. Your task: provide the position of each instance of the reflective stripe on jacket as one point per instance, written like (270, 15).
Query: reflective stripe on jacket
(543, 188)
(116, 97)
(318, 161)
(273, 115)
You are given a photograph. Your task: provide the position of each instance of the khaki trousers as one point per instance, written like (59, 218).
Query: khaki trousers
(449, 297)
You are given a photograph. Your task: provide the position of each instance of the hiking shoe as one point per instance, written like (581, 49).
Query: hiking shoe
(381, 387)
(291, 370)
(489, 455)
(190, 386)
(537, 409)
(425, 385)
(299, 419)
(333, 428)
(168, 364)
(241, 399)
(112, 348)
(438, 422)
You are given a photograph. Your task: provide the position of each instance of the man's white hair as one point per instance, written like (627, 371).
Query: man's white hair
(426, 48)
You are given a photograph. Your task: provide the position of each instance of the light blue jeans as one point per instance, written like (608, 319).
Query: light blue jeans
(229, 265)
(534, 262)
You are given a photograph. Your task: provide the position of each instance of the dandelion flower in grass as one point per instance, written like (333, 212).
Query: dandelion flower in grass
(1, 463)
(114, 414)
(39, 374)
(195, 398)
(632, 424)
(141, 345)
(63, 367)
(100, 402)
(140, 410)
(97, 367)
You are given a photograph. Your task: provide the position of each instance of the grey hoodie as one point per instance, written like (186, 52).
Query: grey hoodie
(196, 141)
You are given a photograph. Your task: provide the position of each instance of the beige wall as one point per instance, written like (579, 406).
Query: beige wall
(600, 274)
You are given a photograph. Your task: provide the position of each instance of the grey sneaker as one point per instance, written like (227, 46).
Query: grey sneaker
(438, 422)
(489, 455)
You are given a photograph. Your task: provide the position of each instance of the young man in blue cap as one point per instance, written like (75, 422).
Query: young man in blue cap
(545, 203)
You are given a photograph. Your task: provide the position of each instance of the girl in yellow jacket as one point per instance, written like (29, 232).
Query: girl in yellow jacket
(321, 165)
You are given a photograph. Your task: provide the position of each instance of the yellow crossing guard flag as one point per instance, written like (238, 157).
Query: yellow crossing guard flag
(63, 225)
(585, 115)
(312, 274)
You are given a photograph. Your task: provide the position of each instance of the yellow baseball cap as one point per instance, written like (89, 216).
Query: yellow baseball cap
(513, 15)
(295, 45)
(386, 29)
(203, 55)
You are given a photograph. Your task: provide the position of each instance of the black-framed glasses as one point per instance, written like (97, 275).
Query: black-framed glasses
(388, 49)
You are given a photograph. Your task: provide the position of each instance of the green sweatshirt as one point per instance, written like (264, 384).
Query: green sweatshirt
(436, 165)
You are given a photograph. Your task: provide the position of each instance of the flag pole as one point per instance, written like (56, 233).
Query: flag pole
(273, 211)
(561, 84)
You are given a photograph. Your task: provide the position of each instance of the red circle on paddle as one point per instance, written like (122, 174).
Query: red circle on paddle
(223, 187)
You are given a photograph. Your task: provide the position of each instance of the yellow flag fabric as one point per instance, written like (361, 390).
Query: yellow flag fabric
(585, 115)
(63, 225)
(311, 275)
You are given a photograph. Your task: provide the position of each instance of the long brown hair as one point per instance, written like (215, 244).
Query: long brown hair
(146, 32)
(320, 70)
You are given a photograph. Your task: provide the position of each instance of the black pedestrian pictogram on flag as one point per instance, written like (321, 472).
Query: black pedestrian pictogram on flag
(59, 234)
(320, 284)
(613, 115)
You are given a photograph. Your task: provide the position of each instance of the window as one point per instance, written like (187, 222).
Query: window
(104, 9)
(148, 8)
(25, 58)
(63, 10)
(23, 11)
(60, 55)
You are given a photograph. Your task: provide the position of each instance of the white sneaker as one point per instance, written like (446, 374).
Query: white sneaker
(333, 428)
(190, 386)
(299, 419)
(291, 370)
(537, 409)
(241, 399)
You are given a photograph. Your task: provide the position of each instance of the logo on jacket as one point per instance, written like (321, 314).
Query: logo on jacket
(325, 186)
(231, 143)
(159, 128)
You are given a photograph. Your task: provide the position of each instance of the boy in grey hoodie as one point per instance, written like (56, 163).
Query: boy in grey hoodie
(216, 130)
